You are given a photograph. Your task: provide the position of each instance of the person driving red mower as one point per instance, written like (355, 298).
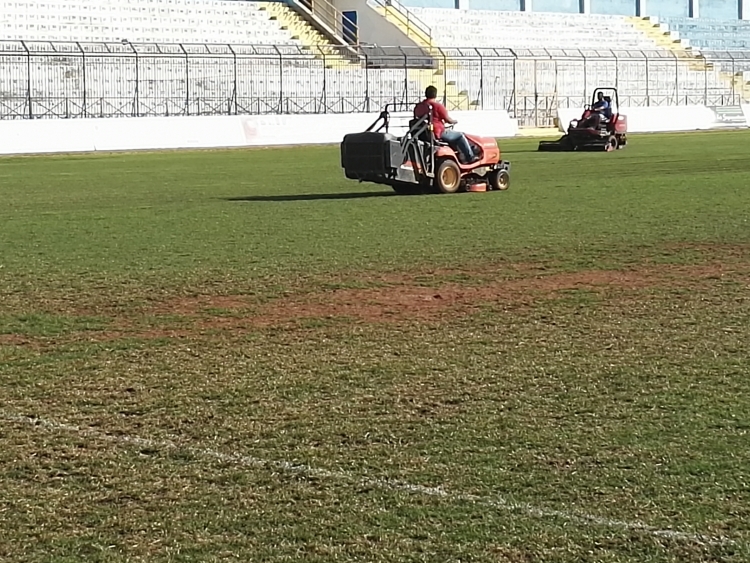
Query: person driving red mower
(601, 111)
(440, 117)
(603, 126)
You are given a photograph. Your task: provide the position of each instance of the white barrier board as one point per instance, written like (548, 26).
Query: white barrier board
(667, 118)
(154, 133)
(109, 134)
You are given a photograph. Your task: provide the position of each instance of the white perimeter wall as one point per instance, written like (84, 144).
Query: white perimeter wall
(139, 133)
(154, 133)
(667, 118)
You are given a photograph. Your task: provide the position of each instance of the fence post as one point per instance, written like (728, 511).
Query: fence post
(136, 98)
(406, 76)
(648, 91)
(187, 81)
(28, 80)
(83, 72)
(536, 92)
(445, 77)
(734, 82)
(705, 83)
(367, 83)
(676, 80)
(585, 78)
(324, 94)
(481, 79)
(233, 101)
(515, 84)
(617, 71)
(281, 80)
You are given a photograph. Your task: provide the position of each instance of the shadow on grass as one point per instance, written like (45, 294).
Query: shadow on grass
(311, 197)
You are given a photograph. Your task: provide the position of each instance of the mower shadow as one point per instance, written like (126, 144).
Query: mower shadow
(311, 197)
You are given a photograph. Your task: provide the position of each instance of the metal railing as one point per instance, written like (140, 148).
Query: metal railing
(74, 80)
(328, 15)
(413, 23)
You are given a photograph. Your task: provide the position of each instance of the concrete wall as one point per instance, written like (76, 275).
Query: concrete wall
(613, 7)
(714, 9)
(507, 5)
(666, 8)
(564, 6)
(719, 9)
(430, 3)
(672, 118)
(156, 133)
(372, 27)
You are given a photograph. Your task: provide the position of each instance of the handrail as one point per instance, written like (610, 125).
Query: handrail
(412, 21)
(329, 15)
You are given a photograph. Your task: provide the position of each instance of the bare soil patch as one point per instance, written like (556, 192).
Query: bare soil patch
(399, 298)
(405, 301)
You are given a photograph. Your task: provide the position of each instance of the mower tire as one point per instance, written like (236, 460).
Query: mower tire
(499, 180)
(448, 176)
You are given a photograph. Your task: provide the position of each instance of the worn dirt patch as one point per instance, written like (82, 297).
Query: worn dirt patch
(200, 304)
(403, 302)
(396, 298)
(14, 340)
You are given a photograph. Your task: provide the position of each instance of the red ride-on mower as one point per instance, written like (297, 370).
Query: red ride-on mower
(418, 163)
(583, 134)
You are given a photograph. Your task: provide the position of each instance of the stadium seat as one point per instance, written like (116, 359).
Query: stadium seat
(530, 30)
(151, 21)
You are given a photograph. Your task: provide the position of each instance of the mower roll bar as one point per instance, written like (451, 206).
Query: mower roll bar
(410, 141)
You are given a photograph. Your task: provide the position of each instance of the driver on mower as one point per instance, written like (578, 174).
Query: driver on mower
(440, 117)
(601, 111)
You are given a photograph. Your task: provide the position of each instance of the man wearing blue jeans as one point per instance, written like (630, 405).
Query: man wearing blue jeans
(440, 116)
(602, 110)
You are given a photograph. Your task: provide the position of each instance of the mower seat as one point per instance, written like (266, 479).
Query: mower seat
(427, 136)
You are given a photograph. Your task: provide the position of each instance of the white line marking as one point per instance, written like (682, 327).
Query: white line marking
(392, 485)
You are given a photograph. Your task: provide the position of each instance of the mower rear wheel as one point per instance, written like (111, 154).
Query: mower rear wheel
(499, 179)
(448, 176)
(613, 143)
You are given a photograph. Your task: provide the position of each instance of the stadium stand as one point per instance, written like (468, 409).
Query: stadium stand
(154, 57)
(529, 30)
(578, 52)
(710, 34)
(145, 57)
(725, 43)
(141, 21)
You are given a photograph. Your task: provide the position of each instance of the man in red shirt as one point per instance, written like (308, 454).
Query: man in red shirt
(440, 116)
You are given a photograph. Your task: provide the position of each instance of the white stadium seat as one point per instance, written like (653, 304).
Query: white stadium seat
(151, 21)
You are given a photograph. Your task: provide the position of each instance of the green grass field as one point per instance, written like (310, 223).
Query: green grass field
(243, 356)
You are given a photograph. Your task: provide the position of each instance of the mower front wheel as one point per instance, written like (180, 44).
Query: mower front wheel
(499, 180)
(448, 176)
(613, 143)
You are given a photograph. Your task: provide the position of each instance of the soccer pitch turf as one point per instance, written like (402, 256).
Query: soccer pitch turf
(243, 356)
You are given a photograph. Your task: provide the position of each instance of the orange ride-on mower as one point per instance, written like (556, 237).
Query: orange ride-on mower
(585, 134)
(417, 163)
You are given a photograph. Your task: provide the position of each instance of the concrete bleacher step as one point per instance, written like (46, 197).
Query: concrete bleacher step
(455, 97)
(663, 37)
(400, 20)
(311, 39)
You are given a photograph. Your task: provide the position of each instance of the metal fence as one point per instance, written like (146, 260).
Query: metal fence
(72, 80)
